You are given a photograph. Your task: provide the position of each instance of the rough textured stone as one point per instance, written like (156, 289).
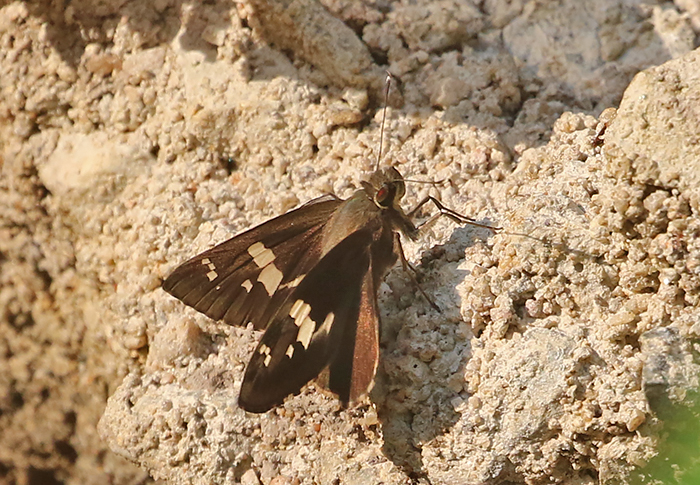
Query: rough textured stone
(657, 128)
(135, 134)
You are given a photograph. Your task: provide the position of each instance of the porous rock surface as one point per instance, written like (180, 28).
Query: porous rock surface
(136, 134)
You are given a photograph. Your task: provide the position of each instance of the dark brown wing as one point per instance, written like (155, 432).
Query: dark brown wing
(246, 278)
(352, 369)
(317, 326)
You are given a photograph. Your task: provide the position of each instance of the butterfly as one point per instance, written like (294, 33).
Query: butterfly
(309, 279)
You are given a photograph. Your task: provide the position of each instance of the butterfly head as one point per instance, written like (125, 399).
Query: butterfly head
(386, 187)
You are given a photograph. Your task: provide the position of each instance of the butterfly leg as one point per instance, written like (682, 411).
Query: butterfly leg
(447, 212)
(411, 271)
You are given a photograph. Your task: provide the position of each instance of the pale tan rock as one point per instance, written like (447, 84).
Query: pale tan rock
(657, 127)
(311, 32)
(134, 135)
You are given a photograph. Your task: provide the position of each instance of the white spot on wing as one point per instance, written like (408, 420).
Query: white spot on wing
(256, 248)
(261, 255)
(247, 285)
(295, 282)
(207, 262)
(326, 325)
(290, 351)
(212, 275)
(299, 311)
(270, 277)
(306, 330)
(265, 350)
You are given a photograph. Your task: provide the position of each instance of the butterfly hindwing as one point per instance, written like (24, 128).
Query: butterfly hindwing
(306, 334)
(246, 278)
(351, 373)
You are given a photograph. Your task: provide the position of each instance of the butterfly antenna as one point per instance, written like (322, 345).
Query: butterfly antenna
(381, 130)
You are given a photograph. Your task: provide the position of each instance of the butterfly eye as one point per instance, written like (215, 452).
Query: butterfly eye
(383, 196)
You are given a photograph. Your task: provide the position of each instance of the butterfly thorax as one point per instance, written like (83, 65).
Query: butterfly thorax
(375, 207)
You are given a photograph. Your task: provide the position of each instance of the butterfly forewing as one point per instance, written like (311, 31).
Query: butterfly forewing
(312, 328)
(246, 278)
